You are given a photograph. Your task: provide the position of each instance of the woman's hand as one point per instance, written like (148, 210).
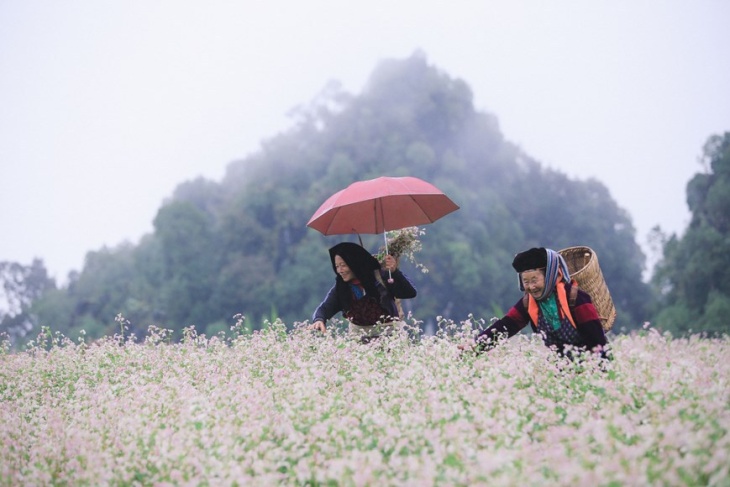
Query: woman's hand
(390, 263)
(317, 325)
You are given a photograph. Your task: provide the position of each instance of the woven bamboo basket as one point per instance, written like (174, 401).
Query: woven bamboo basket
(583, 266)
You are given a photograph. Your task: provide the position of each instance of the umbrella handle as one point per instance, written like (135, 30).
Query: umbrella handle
(385, 237)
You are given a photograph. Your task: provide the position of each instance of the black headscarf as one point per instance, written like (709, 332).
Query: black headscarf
(361, 263)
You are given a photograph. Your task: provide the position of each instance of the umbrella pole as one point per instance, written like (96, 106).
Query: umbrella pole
(385, 237)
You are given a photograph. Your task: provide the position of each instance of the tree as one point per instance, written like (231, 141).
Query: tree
(21, 286)
(693, 277)
(241, 245)
(188, 260)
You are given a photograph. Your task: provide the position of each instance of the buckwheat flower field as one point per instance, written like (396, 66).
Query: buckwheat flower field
(297, 408)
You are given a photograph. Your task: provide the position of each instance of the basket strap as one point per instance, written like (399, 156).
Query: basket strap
(573, 294)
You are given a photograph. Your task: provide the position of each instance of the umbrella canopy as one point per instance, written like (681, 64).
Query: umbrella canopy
(380, 205)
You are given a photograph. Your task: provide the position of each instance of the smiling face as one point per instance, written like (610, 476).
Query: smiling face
(343, 269)
(534, 282)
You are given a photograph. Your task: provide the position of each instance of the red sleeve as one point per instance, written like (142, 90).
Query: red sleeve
(587, 321)
(514, 321)
(585, 312)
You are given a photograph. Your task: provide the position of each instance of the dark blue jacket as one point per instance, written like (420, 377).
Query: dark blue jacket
(401, 288)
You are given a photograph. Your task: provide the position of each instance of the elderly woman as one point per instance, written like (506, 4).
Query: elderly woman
(363, 292)
(553, 305)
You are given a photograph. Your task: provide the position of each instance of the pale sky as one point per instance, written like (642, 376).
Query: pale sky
(106, 106)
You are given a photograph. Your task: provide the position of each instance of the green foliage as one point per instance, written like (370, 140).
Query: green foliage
(242, 245)
(693, 278)
(20, 286)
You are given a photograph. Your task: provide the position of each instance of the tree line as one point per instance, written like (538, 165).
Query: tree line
(241, 245)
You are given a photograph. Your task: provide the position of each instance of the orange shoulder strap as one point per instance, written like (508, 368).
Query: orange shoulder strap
(563, 301)
(532, 308)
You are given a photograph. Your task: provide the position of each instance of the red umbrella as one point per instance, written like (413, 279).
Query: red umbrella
(380, 205)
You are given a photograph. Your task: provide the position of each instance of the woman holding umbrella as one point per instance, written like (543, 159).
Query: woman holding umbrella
(363, 292)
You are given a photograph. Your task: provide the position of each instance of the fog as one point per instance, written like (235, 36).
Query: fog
(108, 106)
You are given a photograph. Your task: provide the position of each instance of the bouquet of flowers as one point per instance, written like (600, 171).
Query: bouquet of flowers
(404, 243)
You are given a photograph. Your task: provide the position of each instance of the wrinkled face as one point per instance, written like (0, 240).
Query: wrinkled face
(342, 269)
(534, 282)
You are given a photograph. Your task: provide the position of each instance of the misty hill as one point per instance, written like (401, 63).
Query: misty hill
(241, 245)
